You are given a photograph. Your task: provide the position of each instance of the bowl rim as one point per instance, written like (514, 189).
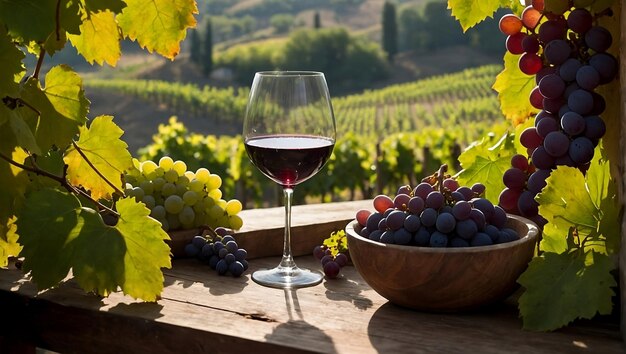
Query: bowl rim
(531, 236)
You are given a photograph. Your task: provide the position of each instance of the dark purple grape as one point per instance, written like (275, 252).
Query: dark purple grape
(332, 269)
(406, 189)
(567, 70)
(382, 225)
(579, 20)
(564, 109)
(422, 237)
(375, 235)
(395, 220)
(552, 30)
(581, 150)
(318, 252)
(557, 52)
(594, 127)
(445, 223)
(199, 241)
(388, 211)
(457, 196)
(191, 250)
(530, 63)
(213, 261)
(514, 178)
(598, 38)
(484, 205)
(580, 101)
(587, 77)
(493, 232)
(341, 259)
(508, 199)
(230, 258)
(572, 123)
(402, 237)
(401, 201)
(462, 210)
(508, 236)
(564, 160)
(599, 104)
(481, 239)
(551, 86)
(365, 232)
(437, 239)
(527, 205)
(556, 144)
(541, 159)
(387, 237)
(514, 43)
(458, 242)
(569, 89)
(519, 162)
(542, 115)
(479, 218)
(412, 223)
(535, 98)
(428, 217)
(530, 139)
(435, 200)
(537, 180)
(422, 190)
(546, 126)
(530, 44)
(546, 70)
(451, 184)
(498, 218)
(478, 188)
(467, 192)
(221, 267)
(606, 65)
(373, 220)
(553, 105)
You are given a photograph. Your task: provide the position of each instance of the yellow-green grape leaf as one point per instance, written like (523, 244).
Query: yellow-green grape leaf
(58, 235)
(13, 180)
(514, 87)
(101, 5)
(11, 63)
(146, 251)
(588, 203)
(560, 288)
(22, 132)
(102, 146)
(31, 20)
(9, 245)
(485, 163)
(51, 162)
(158, 25)
(470, 13)
(55, 112)
(99, 39)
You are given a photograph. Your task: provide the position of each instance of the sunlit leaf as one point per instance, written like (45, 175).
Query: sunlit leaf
(158, 25)
(31, 20)
(9, 245)
(470, 13)
(99, 39)
(563, 287)
(102, 146)
(514, 89)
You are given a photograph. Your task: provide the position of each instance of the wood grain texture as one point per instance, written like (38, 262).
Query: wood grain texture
(444, 279)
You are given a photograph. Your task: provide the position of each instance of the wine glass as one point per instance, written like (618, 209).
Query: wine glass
(289, 134)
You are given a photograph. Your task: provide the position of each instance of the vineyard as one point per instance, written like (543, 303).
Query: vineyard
(425, 123)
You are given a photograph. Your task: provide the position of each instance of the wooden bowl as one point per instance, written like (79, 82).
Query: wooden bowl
(443, 279)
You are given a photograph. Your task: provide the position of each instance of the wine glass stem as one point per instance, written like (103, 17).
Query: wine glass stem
(287, 260)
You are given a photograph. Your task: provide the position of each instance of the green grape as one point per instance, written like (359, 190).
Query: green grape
(222, 204)
(171, 176)
(186, 217)
(190, 197)
(181, 189)
(138, 193)
(168, 189)
(147, 167)
(137, 165)
(165, 225)
(158, 172)
(173, 222)
(149, 201)
(233, 207)
(223, 221)
(158, 212)
(235, 222)
(215, 212)
(190, 175)
(173, 204)
(166, 163)
(158, 199)
(128, 190)
(196, 185)
(202, 174)
(180, 167)
(208, 202)
(200, 217)
(215, 194)
(214, 182)
(158, 183)
(183, 181)
(147, 187)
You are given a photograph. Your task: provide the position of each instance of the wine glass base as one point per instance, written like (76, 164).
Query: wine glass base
(287, 278)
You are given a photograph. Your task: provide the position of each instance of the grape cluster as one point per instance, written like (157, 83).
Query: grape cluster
(221, 252)
(436, 213)
(182, 199)
(561, 44)
(331, 264)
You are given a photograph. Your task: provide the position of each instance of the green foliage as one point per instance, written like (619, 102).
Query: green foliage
(514, 88)
(57, 176)
(207, 48)
(337, 242)
(390, 30)
(469, 12)
(282, 23)
(196, 47)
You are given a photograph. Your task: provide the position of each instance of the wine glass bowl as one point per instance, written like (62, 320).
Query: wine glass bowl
(289, 134)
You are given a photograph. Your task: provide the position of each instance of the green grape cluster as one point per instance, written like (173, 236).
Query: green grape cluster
(182, 199)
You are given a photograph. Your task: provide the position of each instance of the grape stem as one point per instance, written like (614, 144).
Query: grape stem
(61, 180)
(80, 151)
(58, 20)
(42, 54)
(440, 175)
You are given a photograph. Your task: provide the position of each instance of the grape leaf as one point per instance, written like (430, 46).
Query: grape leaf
(486, 163)
(588, 203)
(52, 162)
(31, 20)
(61, 107)
(158, 25)
(58, 235)
(22, 132)
(514, 87)
(8, 242)
(11, 64)
(102, 5)
(99, 39)
(13, 180)
(563, 287)
(102, 146)
(470, 13)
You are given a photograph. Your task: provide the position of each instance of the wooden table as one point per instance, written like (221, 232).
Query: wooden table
(203, 312)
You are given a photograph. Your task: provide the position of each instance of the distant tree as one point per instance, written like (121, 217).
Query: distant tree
(282, 22)
(390, 30)
(317, 22)
(207, 53)
(196, 47)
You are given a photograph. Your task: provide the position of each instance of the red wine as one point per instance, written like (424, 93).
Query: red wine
(289, 159)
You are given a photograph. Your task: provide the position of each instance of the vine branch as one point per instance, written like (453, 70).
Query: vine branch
(42, 54)
(80, 151)
(58, 20)
(59, 179)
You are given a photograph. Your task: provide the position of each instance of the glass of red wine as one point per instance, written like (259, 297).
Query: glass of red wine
(289, 134)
